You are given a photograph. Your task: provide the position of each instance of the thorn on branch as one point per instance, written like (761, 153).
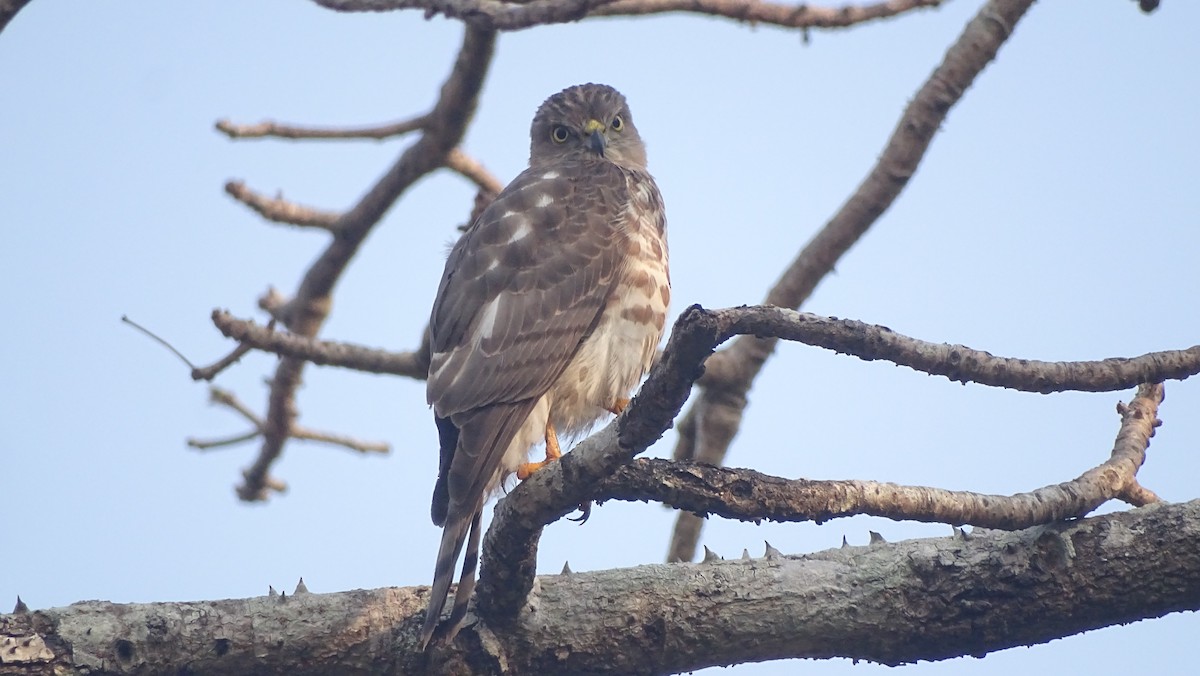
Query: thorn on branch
(770, 553)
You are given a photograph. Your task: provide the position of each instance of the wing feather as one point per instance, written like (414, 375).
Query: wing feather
(511, 311)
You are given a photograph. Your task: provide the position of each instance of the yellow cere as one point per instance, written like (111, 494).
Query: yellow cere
(594, 126)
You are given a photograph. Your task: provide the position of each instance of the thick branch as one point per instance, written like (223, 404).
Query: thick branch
(517, 15)
(973, 594)
(305, 312)
(722, 403)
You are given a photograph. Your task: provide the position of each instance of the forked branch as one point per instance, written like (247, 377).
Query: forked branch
(721, 403)
(747, 495)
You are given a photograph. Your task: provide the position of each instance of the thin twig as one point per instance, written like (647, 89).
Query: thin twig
(159, 340)
(209, 372)
(279, 210)
(269, 128)
(208, 444)
(321, 352)
(343, 440)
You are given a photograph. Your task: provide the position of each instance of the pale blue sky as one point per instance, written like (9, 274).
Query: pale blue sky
(1053, 218)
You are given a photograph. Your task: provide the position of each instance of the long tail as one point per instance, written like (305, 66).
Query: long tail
(453, 537)
(466, 580)
(473, 446)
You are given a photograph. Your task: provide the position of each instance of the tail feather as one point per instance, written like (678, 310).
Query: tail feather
(453, 536)
(466, 580)
(473, 444)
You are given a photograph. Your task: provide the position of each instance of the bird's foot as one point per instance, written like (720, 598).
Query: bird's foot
(553, 452)
(618, 406)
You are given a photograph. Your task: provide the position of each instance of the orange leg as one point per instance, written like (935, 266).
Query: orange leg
(553, 452)
(618, 406)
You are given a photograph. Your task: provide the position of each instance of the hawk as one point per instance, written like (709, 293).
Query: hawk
(549, 312)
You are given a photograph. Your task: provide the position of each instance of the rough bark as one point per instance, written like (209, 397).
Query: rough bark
(926, 599)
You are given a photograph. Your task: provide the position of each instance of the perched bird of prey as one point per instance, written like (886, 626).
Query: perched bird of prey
(549, 311)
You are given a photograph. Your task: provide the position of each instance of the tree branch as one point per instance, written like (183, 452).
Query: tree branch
(229, 400)
(748, 495)
(722, 404)
(508, 16)
(845, 336)
(268, 128)
(280, 210)
(469, 168)
(307, 310)
(321, 352)
(784, 15)
(974, 594)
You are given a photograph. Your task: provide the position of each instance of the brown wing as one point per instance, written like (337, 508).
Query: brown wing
(524, 286)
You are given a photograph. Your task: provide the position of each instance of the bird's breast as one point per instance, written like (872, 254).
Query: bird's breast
(619, 351)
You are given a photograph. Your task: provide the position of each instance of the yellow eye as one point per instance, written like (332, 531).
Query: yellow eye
(559, 133)
(618, 124)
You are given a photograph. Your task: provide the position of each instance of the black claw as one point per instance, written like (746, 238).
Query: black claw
(585, 513)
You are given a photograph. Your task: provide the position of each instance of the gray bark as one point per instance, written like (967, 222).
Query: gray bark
(924, 599)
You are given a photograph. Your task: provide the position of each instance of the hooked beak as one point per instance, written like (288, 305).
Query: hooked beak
(597, 141)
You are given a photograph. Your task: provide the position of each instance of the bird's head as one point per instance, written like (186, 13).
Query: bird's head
(586, 122)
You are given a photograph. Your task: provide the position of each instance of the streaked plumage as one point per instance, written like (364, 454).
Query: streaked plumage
(550, 309)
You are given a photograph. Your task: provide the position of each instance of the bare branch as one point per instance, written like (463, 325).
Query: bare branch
(748, 495)
(280, 210)
(507, 16)
(343, 440)
(158, 339)
(777, 14)
(223, 397)
(486, 14)
(469, 168)
(211, 371)
(209, 444)
(723, 403)
(324, 353)
(307, 310)
(963, 364)
(279, 130)
(228, 399)
(1073, 577)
